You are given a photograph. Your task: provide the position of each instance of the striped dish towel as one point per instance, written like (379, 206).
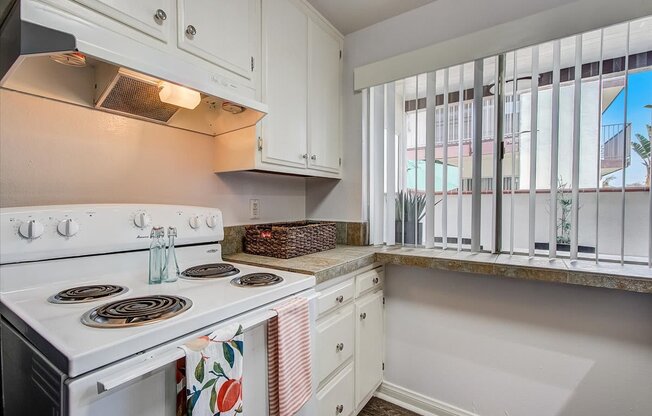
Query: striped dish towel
(288, 350)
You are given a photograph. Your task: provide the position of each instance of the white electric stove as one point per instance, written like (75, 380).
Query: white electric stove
(64, 352)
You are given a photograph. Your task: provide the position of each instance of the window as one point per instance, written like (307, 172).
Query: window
(541, 151)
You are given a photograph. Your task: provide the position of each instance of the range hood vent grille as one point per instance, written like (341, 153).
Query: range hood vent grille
(137, 98)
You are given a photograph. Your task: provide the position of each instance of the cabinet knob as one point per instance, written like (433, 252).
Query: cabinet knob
(363, 315)
(375, 280)
(339, 347)
(339, 408)
(191, 31)
(305, 155)
(339, 299)
(160, 16)
(313, 157)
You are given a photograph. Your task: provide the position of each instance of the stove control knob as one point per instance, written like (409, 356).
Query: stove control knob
(211, 221)
(68, 227)
(142, 219)
(31, 229)
(194, 222)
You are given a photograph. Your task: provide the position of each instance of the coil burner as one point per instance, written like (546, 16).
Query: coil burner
(136, 311)
(257, 280)
(209, 271)
(82, 294)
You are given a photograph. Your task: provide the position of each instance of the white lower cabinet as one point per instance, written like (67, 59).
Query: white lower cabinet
(369, 345)
(349, 341)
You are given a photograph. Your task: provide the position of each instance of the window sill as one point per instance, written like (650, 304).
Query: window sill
(633, 278)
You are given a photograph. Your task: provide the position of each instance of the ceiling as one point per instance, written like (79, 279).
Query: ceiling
(351, 15)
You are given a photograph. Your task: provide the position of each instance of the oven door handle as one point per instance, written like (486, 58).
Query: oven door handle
(154, 362)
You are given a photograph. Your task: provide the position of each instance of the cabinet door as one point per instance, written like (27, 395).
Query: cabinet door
(323, 99)
(152, 17)
(369, 345)
(285, 51)
(222, 32)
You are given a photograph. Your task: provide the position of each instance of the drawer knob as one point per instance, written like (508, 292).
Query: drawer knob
(160, 16)
(339, 409)
(363, 315)
(191, 31)
(339, 299)
(376, 280)
(313, 157)
(339, 347)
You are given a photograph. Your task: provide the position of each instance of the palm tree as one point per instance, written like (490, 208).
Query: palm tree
(642, 148)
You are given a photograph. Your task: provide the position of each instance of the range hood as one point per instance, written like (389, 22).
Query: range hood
(60, 57)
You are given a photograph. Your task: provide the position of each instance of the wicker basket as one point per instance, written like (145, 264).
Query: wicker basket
(287, 240)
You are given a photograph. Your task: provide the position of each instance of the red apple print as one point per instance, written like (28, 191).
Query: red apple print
(229, 394)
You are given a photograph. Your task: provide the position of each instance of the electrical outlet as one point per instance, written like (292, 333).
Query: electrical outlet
(254, 209)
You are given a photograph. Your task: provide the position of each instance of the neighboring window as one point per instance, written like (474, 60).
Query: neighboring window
(574, 175)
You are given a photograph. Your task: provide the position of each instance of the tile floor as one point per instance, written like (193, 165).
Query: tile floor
(377, 407)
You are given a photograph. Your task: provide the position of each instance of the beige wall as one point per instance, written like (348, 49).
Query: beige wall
(55, 153)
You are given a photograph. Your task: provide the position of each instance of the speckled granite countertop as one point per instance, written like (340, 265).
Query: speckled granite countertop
(345, 259)
(324, 265)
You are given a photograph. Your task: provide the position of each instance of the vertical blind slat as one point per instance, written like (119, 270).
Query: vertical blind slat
(430, 159)
(513, 154)
(390, 163)
(575, 176)
(444, 178)
(497, 165)
(460, 135)
(534, 108)
(366, 185)
(554, 150)
(377, 159)
(476, 194)
(625, 143)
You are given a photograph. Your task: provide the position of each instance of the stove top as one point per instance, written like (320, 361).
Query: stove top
(209, 271)
(136, 311)
(257, 280)
(88, 293)
(25, 288)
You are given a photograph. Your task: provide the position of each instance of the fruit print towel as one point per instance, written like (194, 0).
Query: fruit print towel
(213, 373)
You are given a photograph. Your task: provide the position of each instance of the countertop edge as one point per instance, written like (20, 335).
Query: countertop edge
(584, 273)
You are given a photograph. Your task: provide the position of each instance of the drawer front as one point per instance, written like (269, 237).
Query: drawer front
(336, 399)
(373, 279)
(335, 296)
(335, 342)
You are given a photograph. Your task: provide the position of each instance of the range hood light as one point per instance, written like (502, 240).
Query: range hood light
(178, 95)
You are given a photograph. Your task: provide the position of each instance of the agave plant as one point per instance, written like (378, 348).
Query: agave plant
(642, 148)
(410, 204)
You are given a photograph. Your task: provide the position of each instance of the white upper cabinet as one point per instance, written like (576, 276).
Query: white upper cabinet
(285, 76)
(152, 17)
(300, 80)
(222, 32)
(324, 75)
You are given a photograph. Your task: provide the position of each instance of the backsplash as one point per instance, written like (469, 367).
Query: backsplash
(348, 233)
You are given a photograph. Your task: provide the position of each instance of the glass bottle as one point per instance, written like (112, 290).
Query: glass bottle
(156, 256)
(171, 264)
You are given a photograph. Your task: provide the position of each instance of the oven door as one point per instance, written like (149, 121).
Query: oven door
(145, 385)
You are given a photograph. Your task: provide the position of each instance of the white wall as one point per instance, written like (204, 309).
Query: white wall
(426, 25)
(55, 153)
(500, 347)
